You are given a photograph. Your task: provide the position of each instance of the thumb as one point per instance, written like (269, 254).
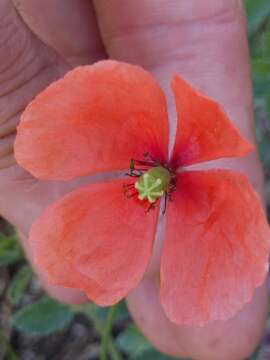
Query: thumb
(205, 41)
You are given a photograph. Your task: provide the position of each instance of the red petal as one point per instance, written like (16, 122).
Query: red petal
(204, 131)
(216, 248)
(95, 119)
(95, 239)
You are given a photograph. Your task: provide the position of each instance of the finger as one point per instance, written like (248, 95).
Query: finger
(6, 151)
(205, 42)
(68, 26)
(219, 340)
(26, 67)
(6, 145)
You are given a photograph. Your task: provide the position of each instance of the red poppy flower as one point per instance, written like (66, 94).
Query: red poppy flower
(98, 238)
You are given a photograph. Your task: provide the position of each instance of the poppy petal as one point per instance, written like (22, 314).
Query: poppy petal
(95, 239)
(93, 120)
(216, 247)
(204, 131)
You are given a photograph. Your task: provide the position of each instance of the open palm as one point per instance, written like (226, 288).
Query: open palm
(41, 40)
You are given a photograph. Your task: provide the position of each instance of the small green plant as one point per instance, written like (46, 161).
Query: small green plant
(43, 317)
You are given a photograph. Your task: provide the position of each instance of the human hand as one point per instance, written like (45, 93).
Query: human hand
(202, 40)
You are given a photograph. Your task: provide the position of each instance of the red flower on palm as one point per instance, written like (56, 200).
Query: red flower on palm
(98, 238)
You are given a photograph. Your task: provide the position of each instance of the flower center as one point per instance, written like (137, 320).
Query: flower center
(153, 184)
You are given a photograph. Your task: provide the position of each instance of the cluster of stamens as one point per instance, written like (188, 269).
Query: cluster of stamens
(148, 190)
(154, 181)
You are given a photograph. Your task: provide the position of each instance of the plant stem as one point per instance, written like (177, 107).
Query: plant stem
(106, 336)
(90, 312)
(115, 355)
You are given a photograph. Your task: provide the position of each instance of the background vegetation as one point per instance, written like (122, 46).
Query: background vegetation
(33, 326)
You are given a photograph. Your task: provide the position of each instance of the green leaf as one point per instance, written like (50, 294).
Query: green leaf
(19, 284)
(43, 317)
(10, 251)
(258, 11)
(132, 342)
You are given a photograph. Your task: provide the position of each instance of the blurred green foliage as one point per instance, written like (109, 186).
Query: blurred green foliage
(10, 251)
(258, 11)
(42, 317)
(132, 342)
(259, 39)
(45, 316)
(19, 284)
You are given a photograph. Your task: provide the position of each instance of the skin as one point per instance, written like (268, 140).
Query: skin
(204, 41)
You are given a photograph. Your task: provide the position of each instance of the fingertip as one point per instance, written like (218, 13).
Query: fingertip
(233, 339)
(63, 294)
